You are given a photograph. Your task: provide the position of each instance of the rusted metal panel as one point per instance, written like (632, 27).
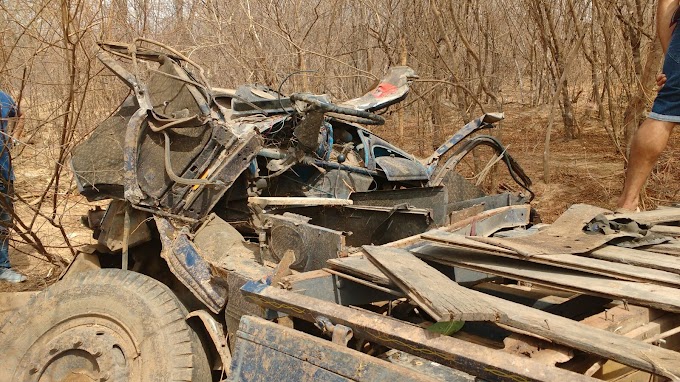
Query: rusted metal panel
(429, 198)
(369, 224)
(112, 235)
(402, 169)
(199, 201)
(311, 244)
(288, 355)
(493, 366)
(188, 265)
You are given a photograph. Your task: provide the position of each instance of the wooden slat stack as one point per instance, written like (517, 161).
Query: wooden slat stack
(647, 276)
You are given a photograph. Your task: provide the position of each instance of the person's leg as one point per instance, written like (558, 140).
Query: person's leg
(5, 225)
(648, 143)
(6, 221)
(4, 246)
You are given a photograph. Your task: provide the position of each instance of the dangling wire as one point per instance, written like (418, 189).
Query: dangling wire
(286, 79)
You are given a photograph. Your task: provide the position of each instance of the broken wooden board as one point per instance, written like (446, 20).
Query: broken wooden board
(669, 230)
(655, 296)
(620, 270)
(297, 201)
(538, 350)
(672, 248)
(488, 364)
(571, 333)
(361, 267)
(628, 320)
(637, 257)
(665, 215)
(564, 236)
(438, 295)
(525, 319)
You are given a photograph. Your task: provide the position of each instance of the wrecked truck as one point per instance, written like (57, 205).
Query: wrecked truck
(211, 189)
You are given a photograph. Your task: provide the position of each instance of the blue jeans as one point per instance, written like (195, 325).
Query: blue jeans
(667, 103)
(5, 223)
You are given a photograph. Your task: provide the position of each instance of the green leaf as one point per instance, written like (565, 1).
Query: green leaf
(446, 328)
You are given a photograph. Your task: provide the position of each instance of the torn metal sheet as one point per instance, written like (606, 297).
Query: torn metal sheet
(564, 236)
(392, 88)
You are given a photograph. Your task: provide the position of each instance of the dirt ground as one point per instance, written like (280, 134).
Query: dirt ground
(585, 170)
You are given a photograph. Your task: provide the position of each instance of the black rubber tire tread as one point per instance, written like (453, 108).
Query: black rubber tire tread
(148, 308)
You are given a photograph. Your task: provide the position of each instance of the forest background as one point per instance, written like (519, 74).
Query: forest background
(574, 78)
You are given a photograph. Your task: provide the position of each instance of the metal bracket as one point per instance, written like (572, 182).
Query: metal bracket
(340, 334)
(216, 333)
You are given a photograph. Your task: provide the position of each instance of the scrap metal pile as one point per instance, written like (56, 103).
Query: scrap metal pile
(295, 244)
(251, 184)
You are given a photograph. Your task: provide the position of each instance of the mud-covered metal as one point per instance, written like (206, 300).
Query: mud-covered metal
(484, 122)
(490, 365)
(291, 355)
(187, 264)
(183, 149)
(217, 335)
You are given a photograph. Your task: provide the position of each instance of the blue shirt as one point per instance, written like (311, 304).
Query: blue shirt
(8, 109)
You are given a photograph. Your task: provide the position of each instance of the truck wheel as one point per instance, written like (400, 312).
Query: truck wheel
(103, 325)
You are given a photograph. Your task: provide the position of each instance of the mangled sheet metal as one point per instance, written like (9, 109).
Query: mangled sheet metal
(565, 236)
(178, 145)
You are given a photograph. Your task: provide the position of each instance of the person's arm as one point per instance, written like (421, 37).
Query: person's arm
(664, 15)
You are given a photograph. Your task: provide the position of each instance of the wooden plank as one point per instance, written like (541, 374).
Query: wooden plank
(470, 357)
(668, 249)
(637, 257)
(655, 296)
(665, 215)
(441, 297)
(620, 270)
(538, 350)
(361, 267)
(591, 340)
(297, 201)
(632, 322)
(666, 230)
(571, 333)
(488, 364)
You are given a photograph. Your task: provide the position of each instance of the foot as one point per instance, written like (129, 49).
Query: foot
(7, 274)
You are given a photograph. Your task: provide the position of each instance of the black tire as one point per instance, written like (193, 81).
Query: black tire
(103, 325)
